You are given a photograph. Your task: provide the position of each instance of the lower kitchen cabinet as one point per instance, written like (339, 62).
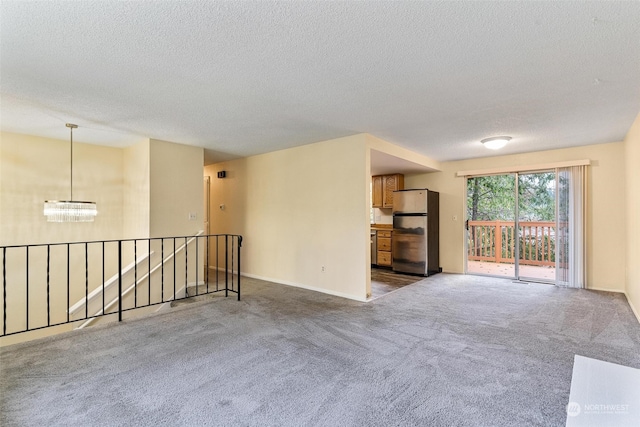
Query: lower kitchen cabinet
(384, 248)
(384, 259)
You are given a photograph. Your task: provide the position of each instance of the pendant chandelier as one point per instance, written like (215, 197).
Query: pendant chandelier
(71, 210)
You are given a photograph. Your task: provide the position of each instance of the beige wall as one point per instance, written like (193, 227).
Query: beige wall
(606, 223)
(36, 169)
(162, 186)
(176, 189)
(136, 191)
(299, 210)
(147, 189)
(304, 208)
(176, 172)
(227, 197)
(632, 157)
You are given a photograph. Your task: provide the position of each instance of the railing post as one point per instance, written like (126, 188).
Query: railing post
(226, 265)
(103, 274)
(197, 254)
(68, 281)
(119, 280)
(206, 264)
(162, 270)
(4, 291)
(239, 246)
(86, 280)
(498, 241)
(27, 294)
(149, 272)
(217, 263)
(515, 239)
(48, 285)
(135, 274)
(186, 267)
(473, 232)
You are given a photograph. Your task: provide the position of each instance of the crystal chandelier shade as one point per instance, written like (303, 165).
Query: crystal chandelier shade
(66, 211)
(71, 210)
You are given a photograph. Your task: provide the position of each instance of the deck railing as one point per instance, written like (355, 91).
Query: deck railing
(495, 241)
(47, 285)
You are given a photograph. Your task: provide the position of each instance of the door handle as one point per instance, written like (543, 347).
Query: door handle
(466, 225)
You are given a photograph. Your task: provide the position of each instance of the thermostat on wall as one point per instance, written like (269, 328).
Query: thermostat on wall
(222, 174)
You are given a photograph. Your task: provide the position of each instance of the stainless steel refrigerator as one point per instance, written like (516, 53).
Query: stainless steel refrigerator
(416, 235)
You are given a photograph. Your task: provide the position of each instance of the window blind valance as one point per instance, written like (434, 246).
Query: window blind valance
(523, 168)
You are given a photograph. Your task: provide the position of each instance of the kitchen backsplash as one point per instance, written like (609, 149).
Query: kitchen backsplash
(382, 216)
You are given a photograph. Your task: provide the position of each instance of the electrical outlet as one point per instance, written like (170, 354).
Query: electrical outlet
(322, 269)
(192, 216)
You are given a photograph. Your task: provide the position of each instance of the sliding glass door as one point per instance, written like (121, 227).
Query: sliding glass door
(491, 210)
(537, 226)
(511, 225)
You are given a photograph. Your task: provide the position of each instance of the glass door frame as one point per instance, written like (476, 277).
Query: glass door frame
(517, 231)
(555, 211)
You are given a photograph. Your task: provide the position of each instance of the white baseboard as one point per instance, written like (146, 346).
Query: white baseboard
(200, 283)
(635, 311)
(221, 269)
(310, 288)
(605, 290)
(633, 308)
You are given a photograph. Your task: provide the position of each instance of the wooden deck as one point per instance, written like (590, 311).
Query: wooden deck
(545, 273)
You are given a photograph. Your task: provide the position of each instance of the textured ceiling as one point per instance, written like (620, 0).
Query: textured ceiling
(242, 78)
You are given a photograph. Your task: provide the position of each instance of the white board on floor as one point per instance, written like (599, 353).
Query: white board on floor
(603, 394)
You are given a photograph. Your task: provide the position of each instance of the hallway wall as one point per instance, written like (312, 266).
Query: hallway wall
(632, 157)
(300, 210)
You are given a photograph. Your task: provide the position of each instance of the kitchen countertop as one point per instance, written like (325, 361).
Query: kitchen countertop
(382, 227)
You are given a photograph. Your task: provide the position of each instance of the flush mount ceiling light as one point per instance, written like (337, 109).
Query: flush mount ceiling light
(70, 210)
(496, 142)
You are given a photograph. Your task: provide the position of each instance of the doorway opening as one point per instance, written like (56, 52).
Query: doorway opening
(511, 226)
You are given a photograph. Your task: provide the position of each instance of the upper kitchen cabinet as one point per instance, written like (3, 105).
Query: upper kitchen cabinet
(377, 185)
(383, 187)
(391, 183)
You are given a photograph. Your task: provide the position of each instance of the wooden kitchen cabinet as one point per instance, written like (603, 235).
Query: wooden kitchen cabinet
(384, 248)
(383, 187)
(391, 183)
(384, 259)
(377, 185)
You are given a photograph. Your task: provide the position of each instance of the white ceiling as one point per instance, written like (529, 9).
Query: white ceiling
(383, 164)
(242, 78)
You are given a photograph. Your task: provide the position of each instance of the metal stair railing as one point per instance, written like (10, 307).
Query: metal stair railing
(39, 281)
(136, 281)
